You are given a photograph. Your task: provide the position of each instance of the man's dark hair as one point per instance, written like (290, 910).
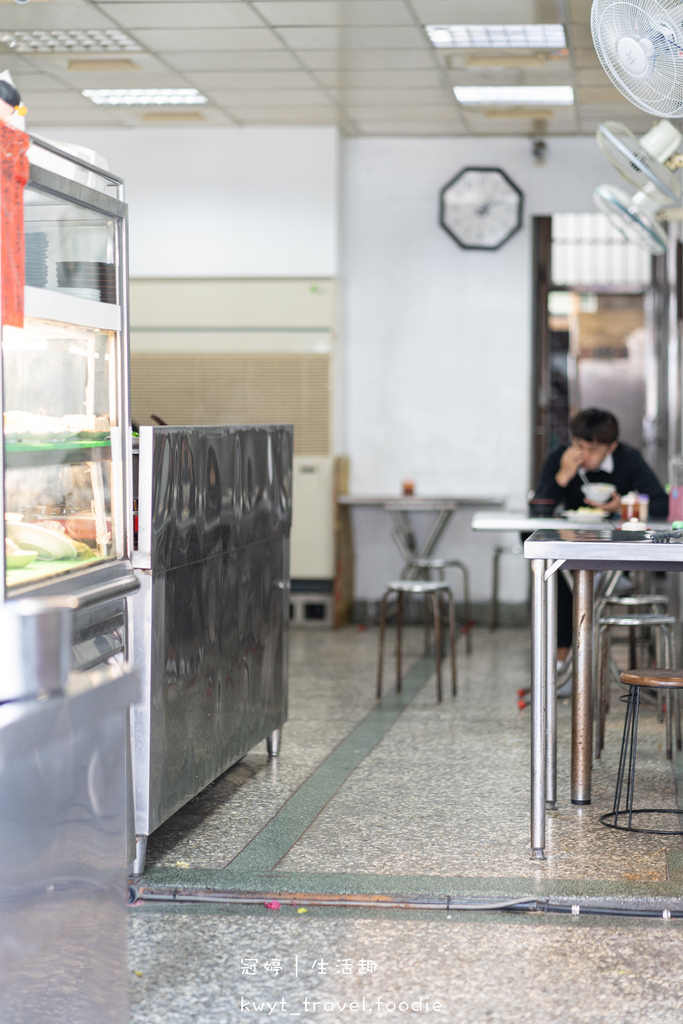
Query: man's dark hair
(594, 425)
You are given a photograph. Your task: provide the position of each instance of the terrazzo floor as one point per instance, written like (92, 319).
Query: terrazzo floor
(409, 797)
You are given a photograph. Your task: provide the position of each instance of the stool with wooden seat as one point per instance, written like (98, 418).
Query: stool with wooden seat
(433, 591)
(669, 681)
(663, 624)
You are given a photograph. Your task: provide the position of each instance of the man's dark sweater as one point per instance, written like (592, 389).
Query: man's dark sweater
(631, 473)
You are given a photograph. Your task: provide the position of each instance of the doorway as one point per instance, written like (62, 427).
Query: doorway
(596, 330)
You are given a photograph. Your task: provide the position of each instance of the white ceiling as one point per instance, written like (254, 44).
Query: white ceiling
(364, 65)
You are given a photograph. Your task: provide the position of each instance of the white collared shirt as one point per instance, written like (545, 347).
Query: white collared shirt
(607, 464)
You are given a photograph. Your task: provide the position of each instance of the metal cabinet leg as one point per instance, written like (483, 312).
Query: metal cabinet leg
(538, 721)
(140, 854)
(497, 552)
(273, 743)
(582, 693)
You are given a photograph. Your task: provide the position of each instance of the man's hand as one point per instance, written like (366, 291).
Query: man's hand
(613, 505)
(571, 459)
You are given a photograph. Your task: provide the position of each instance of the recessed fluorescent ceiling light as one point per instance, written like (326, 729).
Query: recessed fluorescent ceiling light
(498, 37)
(556, 95)
(73, 40)
(145, 97)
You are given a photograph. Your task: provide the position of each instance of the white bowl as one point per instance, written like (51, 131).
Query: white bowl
(598, 493)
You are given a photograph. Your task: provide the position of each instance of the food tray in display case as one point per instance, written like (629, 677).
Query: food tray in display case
(65, 396)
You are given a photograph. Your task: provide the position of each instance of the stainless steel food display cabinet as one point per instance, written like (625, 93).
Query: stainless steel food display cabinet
(65, 504)
(211, 619)
(66, 515)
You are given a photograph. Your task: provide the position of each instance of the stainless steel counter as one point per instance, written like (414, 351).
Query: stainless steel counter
(211, 620)
(63, 853)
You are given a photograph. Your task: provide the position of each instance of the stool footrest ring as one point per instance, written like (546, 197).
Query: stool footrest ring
(604, 820)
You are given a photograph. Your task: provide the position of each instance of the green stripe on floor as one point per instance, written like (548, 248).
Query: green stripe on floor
(266, 849)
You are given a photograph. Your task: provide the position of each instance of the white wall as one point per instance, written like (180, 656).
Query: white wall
(438, 339)
(226, 202)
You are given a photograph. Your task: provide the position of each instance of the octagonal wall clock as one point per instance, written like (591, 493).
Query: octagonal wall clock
(481, 208)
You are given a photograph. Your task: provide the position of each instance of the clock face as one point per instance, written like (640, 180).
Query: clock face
(481, 208)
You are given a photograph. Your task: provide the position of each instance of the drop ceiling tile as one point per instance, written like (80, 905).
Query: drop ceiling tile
(565, 116)
(579, 35)
(488, 12)
(187, 14)
(510, 76)
(28, 82)
(367, 60)
(372, 38)
(75, 119)
(284, 115)
(271, 98)
(240, 80)
(591, 76)
(233, 60)
(580, 10)
(128, 80)
(394, 97)
(61, 62)
(206, 116)
(16, 63)
(599, 95)
(334, 12)
(403, 113)
(176, 39)
(613, 111)
(408, 128)
(68, 99)
(503, 60)
(49, 16)
(353, 79)
(585, 57)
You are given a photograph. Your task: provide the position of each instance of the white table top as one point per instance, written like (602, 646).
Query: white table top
(522, 522)
(418, 503)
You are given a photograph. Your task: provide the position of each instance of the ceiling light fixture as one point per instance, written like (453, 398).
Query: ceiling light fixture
(145, 97)
(73, 40)
(555, 95)
(497, 37)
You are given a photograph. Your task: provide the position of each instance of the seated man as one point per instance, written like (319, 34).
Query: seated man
(596, 450)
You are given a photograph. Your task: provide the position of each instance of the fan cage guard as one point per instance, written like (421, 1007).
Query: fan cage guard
(634, 163)
(660, 89)
(635, 225)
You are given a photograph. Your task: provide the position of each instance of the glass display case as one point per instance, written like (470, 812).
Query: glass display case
(66, 478)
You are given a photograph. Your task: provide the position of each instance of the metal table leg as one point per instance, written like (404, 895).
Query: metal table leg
(582, 693)
(538, 717)
(550, 692)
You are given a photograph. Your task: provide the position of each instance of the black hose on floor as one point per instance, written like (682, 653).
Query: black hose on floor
(162, 894)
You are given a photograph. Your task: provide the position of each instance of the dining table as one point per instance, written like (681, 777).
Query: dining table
(585, 551)
(402, 508)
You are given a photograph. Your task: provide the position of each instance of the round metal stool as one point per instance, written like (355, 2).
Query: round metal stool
(658, 679)
(429, 589)
(664, 626)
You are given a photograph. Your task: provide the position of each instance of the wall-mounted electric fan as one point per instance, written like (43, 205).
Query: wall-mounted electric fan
(643, 162)
(635, 218)
(640, 46)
